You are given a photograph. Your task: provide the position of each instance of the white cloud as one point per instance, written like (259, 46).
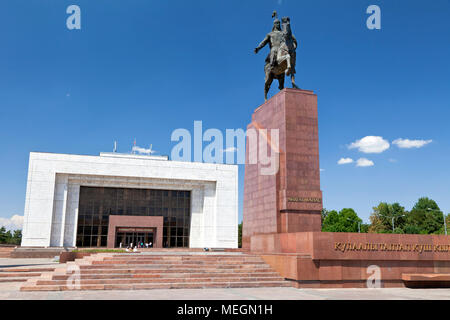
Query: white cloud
(322, 170)
(370, 144)
(13, 223)
(363, 162)
(393, 160)
(408, 144)
(345, 161)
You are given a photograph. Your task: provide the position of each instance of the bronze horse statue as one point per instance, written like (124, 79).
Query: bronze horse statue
(282, 57)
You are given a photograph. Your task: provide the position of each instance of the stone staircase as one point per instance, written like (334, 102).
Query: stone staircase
(21, 274)
(5, 252)
(107, 271)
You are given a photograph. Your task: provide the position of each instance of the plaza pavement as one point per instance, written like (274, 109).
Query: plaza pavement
(11, 291)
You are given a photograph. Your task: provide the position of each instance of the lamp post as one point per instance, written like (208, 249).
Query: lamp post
(445, 223)
(393, 220)
(359, 224)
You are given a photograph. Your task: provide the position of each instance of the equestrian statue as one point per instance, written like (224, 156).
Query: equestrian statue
(282, 56)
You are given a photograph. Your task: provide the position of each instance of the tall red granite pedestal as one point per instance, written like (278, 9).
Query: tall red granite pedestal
(290, 200)
(282, 213)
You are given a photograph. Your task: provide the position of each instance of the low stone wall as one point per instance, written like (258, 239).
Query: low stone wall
(6, 249)
(71, 256)
(348, 260)
(23, 252)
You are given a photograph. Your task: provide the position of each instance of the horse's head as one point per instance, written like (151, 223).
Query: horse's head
(286, 21)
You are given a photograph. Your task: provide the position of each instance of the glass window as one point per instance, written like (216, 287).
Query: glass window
(97, 204)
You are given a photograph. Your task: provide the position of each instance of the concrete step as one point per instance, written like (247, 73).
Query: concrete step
(26, 270)
(149, 286)
(133, 272)
(5, 252)
(21, 274)
(4, 275)
(179, 261)
(160, 280)
(172, 270)
(20, 279)
(142, 261)
(164, 275)
(179, 257)
(173, 266)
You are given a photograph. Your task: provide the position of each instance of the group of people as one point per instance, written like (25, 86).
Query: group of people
(138, 246)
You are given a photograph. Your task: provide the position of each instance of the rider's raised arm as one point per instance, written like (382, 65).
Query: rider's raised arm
(263, 43)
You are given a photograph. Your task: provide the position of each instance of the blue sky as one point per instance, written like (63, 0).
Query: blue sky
(141, 69)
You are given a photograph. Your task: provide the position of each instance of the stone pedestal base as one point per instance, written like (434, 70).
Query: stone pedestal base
(300, 222)
(349, 260)
(289, 200)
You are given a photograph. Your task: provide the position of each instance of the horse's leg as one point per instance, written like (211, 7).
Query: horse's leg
(293, 82)
(267, 85)
(288, 61)
(281, 82)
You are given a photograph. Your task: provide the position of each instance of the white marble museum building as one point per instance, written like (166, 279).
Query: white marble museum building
(76, 201)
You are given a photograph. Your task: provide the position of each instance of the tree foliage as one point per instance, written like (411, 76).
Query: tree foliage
(8, 237)
(386, 216)
(324, 214)
(425, 218)
(345, 220)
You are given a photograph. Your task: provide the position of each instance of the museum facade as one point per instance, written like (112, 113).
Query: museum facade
(116, 200)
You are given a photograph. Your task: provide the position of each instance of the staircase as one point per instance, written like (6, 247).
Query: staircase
(21, 274)
(107, 271)
(5, 252)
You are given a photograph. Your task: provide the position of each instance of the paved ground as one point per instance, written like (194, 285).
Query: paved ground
(28, 263)
(10, 291)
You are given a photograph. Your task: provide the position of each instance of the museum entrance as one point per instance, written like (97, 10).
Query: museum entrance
(135, 237)
(98, 204)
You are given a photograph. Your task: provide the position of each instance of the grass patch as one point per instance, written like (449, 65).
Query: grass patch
(98, 250)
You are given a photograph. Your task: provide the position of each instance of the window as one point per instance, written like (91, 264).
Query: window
(97, 204)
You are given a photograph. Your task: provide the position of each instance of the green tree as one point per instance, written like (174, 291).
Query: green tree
(16, 237)
(425, 218)
(365, 227)
(384, 215)
(345, 221)
(3, 235)
(324, 213)
(8, 237)
(240, 235)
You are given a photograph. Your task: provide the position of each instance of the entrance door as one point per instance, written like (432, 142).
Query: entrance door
(134, 236)
(140, 239)
(129, 239)
(149, 240)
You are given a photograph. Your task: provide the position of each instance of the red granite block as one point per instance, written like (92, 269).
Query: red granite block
(294, 114)
(307, 269)
(330, 270)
